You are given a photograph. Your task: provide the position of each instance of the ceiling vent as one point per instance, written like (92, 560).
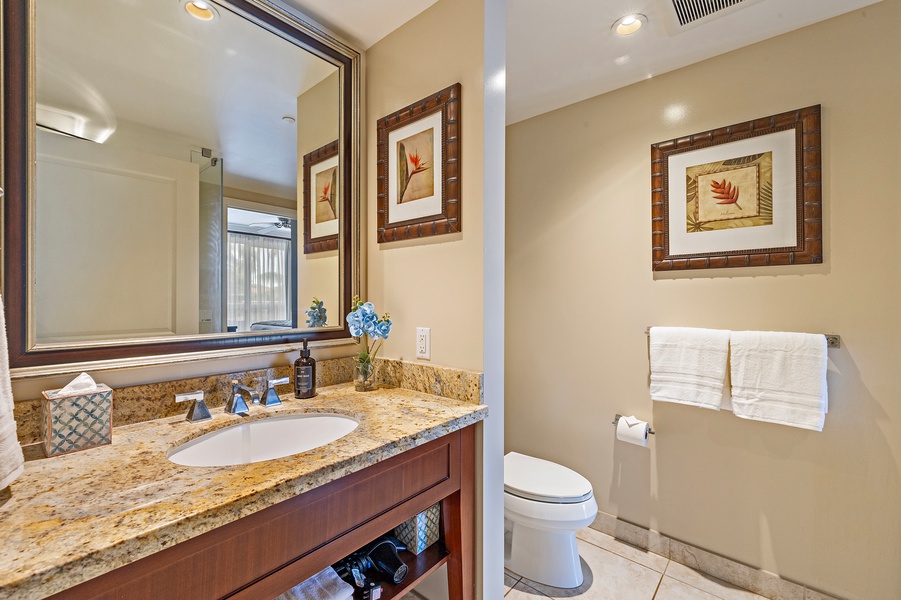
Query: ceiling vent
(688, 11)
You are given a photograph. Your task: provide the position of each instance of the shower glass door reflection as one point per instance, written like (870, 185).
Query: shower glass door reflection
(211, 218)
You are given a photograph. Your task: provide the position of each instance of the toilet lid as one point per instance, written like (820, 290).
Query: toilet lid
(543, 481)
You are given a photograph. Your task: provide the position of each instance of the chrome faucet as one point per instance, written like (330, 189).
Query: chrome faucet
(198, 410)
(236, 404)
(271, 398)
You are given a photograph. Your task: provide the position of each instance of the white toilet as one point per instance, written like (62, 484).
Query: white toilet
(544, 505)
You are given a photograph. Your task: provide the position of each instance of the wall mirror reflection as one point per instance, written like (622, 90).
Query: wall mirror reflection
(168, 143)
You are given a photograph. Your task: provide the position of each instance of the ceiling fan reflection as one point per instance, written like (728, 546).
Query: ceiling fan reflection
(281, 223)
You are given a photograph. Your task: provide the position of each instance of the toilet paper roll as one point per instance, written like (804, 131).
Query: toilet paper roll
(632, 431)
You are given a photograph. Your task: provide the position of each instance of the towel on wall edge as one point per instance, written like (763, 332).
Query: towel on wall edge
(12, 462)
(688, 365)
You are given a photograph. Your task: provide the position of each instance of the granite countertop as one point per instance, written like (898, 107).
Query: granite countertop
(74, 517)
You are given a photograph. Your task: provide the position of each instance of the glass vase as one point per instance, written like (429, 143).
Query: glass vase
(364, 376)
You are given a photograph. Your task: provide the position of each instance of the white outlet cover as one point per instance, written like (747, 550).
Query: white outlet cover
(424, 343)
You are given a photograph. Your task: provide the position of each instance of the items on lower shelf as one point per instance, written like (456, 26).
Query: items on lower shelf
(421, 531)
(385, 568)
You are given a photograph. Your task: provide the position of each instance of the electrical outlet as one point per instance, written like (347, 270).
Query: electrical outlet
(424, 343)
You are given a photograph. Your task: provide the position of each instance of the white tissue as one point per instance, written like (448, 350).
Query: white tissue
(83, 384)
(632, 431)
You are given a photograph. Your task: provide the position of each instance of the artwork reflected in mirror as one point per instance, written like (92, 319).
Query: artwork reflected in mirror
(320, 194)
(168, 174)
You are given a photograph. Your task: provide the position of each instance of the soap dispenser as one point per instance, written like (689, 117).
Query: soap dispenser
(304, 374)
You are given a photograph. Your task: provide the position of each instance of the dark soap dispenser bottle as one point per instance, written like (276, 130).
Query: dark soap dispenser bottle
(304, 374)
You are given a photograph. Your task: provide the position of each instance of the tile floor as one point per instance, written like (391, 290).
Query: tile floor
(615, 570)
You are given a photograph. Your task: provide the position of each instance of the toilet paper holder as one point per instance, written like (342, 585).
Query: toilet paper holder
(617, 417)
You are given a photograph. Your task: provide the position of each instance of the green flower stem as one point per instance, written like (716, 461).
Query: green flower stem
(367, 352)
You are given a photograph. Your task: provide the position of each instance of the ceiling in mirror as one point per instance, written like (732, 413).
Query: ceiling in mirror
(166, 148)
(153, 70)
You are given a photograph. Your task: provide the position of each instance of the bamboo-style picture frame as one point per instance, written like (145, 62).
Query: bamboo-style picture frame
(419, 168)
(745, 195)
(321, 199)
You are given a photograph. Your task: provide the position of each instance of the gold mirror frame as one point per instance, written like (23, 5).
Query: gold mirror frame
(18, 187)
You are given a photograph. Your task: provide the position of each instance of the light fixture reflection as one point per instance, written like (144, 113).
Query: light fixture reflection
(203, 11)
(498, 81)
(69, 105)
(675, 113)
(629, 24)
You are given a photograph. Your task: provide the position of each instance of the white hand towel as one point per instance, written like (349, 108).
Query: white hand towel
(11, 461)
(688, 365)
(780, 377)
(324, 585)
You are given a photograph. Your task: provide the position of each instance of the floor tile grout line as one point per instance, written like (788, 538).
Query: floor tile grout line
(626, 557)
(703, 574)
(518, 579)
(662, 574)
(624, 542)
(536, 590)
(659, 583)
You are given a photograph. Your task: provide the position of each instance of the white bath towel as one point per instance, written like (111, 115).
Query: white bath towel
(324, 585)
(688, 365)
(780, 377)
(11, 461)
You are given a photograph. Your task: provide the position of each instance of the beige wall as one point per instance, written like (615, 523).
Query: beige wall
(317, 125)
(822, 509)
(317, 118)
(433, 282)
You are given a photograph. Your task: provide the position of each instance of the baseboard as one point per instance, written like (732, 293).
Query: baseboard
(763, 583)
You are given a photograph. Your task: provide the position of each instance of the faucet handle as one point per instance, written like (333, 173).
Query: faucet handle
(271, 398)
(198, 410)
(236, 404)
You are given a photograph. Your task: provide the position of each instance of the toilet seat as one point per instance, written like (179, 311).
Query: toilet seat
(543, 481)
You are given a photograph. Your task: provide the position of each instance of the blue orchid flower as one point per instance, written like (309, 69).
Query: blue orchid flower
(383, 328)
(364, 324)
(317, 314)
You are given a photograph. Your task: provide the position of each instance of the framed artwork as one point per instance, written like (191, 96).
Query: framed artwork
(320, 199)
(419, 168)
(745, 195)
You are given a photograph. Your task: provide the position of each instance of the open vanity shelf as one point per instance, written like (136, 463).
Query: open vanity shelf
(261, 555)
(420, 566)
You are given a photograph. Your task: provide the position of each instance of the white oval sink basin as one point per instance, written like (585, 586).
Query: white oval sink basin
(265, 439)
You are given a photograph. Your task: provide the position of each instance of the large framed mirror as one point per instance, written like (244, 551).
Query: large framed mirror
(157, 161)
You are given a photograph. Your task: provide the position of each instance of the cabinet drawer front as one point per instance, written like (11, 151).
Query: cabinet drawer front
(218, 563)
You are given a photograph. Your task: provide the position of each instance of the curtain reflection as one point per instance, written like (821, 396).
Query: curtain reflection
(259, 286)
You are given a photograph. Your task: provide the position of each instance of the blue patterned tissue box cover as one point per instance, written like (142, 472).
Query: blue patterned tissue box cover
(76, 422)
(421, 531)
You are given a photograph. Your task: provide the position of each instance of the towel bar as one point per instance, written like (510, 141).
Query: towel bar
(833, 340)
(617, 417)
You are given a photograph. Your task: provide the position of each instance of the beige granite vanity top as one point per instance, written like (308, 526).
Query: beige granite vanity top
(74, 517)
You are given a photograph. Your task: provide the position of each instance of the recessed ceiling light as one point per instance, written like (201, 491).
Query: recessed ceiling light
(200, 9)
(629, 24)
(288, 119)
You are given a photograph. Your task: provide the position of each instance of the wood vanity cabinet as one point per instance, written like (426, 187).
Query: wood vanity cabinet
(264, 554)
